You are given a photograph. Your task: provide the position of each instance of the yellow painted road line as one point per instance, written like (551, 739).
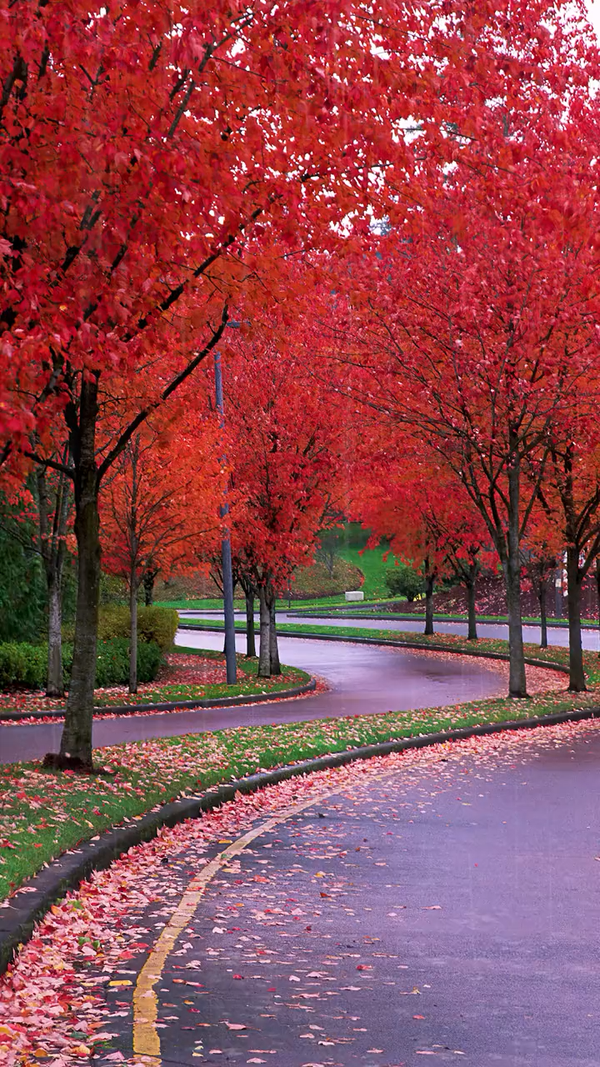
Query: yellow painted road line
(146, 1041)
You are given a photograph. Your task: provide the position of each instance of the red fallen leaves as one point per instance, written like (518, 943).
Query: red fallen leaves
(50, 991)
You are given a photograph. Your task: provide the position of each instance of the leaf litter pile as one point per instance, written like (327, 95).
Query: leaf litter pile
(68, 995)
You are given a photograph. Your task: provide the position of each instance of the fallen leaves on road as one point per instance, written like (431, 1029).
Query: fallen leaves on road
(71, 983)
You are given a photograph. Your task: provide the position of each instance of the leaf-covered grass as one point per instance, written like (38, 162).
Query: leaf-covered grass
(44, 813)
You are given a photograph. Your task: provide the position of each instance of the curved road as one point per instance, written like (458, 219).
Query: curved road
(444, 905)
(557, 635)
(362, 680)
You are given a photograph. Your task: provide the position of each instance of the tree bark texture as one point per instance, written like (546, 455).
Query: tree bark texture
(517, 686)
(429, 582)
(542, 598)
(52, 548)
(55, 684)
(273, 646)
(574, 583)
(250, 634)
(471, 590)
(149, 580)
(133, 637)
(264, 656)
(76, 741)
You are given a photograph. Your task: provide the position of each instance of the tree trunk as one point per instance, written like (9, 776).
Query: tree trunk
(574, 582)
(55, 684)
(250, 635)
(429, 581)
(273, 647)
(76, 742)
(264, 658)
(52, 550)
(598, 591)
(470, 585)
(133, 643)
(542, 597)
(517, 686)
(149, 580)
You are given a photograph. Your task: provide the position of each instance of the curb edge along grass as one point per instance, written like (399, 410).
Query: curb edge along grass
(420, 646)
(29, 904)
(132, 709)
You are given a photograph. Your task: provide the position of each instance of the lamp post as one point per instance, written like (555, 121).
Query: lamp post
(226, 541)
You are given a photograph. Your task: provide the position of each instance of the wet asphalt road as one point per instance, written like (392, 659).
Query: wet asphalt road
(449, 910)
(557, 635)
(362, 680)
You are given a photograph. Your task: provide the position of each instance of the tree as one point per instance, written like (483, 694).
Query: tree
(476, 324)
(285, 448)
(53, 497)
(428, 521)
(156, 161)
(158, 507)
(151, 160)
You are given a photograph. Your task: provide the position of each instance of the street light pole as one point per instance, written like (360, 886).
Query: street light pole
(226, 546)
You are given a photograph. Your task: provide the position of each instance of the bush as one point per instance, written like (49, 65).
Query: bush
(155, 623)
(404, 581)
(158, 624)
(25, 666)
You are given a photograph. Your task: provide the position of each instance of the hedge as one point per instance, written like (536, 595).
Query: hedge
(155, 623)
(24, 666)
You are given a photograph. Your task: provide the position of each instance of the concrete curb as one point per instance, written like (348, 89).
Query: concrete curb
(133, 709)
(421, 646)
(35, 898)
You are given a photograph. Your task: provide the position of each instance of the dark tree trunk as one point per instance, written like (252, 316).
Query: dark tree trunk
(149, 580)
(574, 583)
(470, 586)
(542, 598)
(517, 686)
(133, 644)
(76, 741)
(273, 646)
(250, 635)
(264, 658)
(598, 590)
(429, 582)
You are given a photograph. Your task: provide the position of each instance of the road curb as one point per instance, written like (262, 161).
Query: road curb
(133, 709)
(67, 872)
(420, 646)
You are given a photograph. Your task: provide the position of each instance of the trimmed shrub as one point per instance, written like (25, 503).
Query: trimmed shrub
(150, 657)
(113, 621)
(404, 581)
(158, 624)
(25, 666)
(155, 623)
